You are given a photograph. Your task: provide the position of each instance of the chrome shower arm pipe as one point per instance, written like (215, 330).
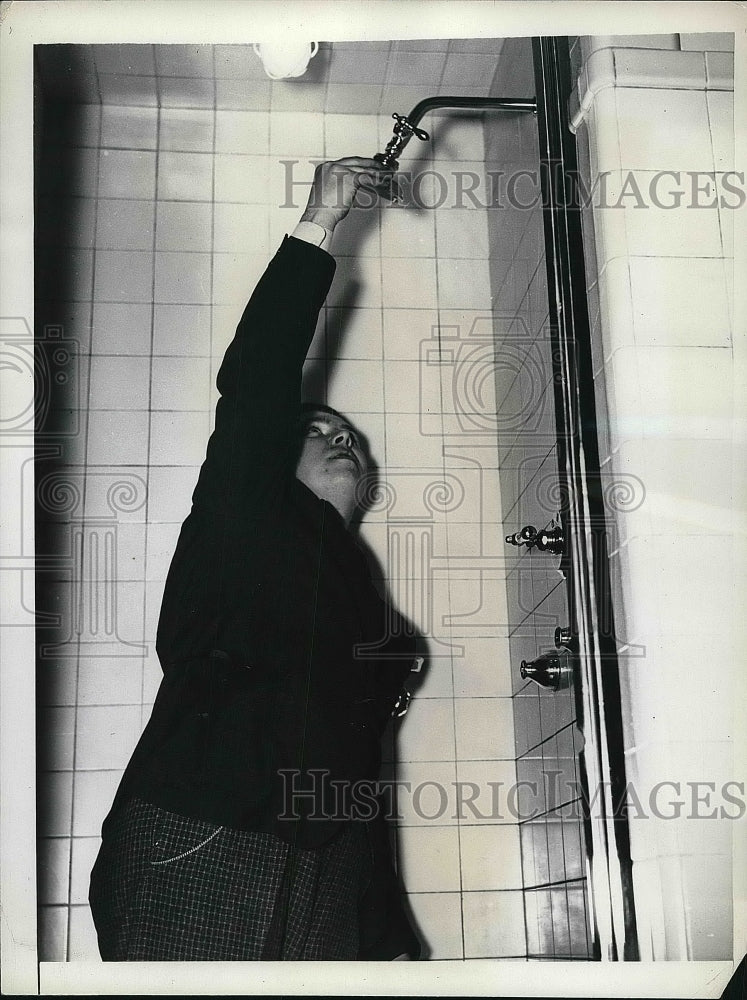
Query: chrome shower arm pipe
(471, 104)
(407, 125)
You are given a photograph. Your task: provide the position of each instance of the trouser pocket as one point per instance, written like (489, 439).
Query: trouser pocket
(180, 838)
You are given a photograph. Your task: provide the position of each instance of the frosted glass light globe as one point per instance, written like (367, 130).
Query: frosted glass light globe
(286, 58)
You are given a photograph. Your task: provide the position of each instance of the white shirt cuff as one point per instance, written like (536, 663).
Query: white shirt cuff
(312, 232)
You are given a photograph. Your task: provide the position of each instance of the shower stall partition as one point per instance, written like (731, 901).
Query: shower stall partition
(578, 894)
(591, 631)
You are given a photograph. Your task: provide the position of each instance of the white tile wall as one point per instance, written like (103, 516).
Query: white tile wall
(406, 233)
(234, 276)
(84, 851)
(440, 913)
(240, 178)
(708, 41)
(665, 318)
(493, 924)
(121, 328)
(484, 728)
(428, 858)
(120, 438)
(178, 438)
(483, 671)
(236, 94)
(188, 214)
(464, 284)
(185, 176)
(490, 857)
(680, 302)
(183, 223)
(134, 91)
(130, 128)
(185, 130)
(182, 330)
(93, 793)
(82, 944)
(124, 276)
(604, 135)
(646, 145)
(413, 287)
(721, 121)
(242, 132)
(666, 230)
(182, 277)
(117, 680)
(296, 134)
(719, 70)
(122, 224)
(345, 132)
(126, 173)
(118, 383)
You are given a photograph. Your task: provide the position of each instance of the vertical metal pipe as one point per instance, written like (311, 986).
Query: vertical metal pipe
(586, 561)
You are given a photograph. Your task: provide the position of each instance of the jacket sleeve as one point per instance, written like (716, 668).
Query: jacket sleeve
(252, 448)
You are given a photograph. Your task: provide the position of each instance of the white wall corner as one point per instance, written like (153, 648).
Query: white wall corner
(596, 73)
(635, 67)
(719, 70)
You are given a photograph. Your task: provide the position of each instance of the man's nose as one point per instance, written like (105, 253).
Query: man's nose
(343, 438)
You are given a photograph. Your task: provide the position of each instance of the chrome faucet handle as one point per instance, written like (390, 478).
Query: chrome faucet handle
(527, 536)
(546, 539)
(550, 670)
(403, 132)
(405, 127)
(563, 636)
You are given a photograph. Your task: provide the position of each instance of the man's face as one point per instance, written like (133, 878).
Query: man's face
(332, 459)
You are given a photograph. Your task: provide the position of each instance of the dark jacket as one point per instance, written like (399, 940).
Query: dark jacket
(277, 651)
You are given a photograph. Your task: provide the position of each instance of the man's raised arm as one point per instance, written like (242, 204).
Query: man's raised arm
(251, 450)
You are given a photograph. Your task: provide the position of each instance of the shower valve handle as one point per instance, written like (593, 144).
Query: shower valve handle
(404, 123)
(550, 670)
(403, 132)
(546, 539)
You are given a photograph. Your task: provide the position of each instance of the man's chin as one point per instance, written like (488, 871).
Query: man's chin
(344, 466)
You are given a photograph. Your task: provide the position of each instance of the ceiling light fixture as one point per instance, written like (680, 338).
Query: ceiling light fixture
(286, 58)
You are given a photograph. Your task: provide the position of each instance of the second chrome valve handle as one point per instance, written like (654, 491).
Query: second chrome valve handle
(550, 670)
(546, 539)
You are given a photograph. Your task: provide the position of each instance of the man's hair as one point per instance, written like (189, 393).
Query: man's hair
(307, 409)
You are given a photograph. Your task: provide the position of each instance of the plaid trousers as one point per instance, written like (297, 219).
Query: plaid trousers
(167, 887)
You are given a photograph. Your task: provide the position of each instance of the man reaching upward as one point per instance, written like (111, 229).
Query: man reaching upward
(282, 665)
